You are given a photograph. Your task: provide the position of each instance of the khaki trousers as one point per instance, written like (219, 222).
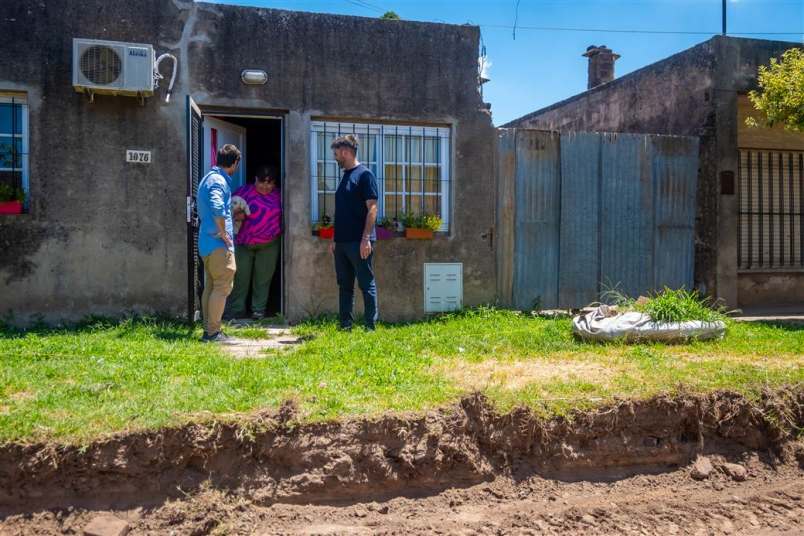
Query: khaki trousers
(219, 272)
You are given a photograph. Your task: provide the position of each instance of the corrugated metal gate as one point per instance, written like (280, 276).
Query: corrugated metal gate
(583, 212)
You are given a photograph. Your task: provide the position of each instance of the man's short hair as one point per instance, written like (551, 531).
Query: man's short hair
(349, 140)
(228, 155)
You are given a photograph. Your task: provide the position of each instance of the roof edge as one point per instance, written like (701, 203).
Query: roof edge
(635, 74)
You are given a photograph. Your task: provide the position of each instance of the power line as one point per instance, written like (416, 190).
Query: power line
(366, 5)
(516, 18)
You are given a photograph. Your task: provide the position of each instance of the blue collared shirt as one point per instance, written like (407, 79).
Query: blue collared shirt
(214, 201)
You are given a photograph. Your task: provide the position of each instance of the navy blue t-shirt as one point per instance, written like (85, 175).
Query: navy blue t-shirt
(357, 186)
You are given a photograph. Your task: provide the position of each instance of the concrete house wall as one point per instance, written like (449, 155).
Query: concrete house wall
(694, 92)
(106, 237)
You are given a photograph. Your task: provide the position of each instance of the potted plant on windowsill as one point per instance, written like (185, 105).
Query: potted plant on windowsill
(386, 229)
(421, 227)
(11, 199)
(324, 229)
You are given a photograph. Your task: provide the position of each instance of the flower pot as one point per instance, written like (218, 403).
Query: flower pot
(326, 233)
(384, 234)
(10, 207)
(418, 234)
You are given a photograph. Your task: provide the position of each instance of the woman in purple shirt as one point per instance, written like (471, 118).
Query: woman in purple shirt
(256, 243)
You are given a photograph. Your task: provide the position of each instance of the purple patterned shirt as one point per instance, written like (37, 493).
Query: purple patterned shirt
(265, 222)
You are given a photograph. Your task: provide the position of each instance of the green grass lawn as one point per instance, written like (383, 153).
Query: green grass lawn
(77, 384)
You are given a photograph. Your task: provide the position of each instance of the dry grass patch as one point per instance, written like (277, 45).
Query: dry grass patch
(513, 375)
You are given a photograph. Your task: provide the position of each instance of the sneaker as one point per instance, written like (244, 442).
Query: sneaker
(219, 337)
(257, 316)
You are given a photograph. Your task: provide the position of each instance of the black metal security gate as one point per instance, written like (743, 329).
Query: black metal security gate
(771, 196)
(195, 269)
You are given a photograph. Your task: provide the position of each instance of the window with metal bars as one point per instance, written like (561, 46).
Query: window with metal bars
(771, 196)
(14, 145)
(411, 164)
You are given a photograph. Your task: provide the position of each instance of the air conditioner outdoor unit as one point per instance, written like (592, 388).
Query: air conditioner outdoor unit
(113, 68)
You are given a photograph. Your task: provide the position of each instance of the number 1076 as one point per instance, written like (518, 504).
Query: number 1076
(139, 157)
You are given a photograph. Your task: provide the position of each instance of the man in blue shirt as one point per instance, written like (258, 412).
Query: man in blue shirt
(215, 245)
(353, 245)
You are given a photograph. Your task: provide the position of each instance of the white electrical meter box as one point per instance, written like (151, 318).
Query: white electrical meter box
(443, 287)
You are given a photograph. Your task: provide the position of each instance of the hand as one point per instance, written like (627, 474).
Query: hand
(332, 247)
(226, 238)
(365, 249)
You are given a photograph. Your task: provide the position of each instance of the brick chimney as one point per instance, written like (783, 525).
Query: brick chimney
(601, 64)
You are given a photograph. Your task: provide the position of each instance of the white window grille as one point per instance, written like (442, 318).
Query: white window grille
(411, 163)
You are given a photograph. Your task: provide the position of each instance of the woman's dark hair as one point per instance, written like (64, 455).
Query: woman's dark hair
(228, 155)
(269, 172)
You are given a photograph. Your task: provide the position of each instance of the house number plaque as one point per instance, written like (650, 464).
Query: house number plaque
(138, 157)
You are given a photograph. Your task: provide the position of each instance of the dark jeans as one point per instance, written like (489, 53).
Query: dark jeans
(349, 265)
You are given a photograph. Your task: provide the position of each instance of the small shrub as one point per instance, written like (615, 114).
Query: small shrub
(325, 223)
(387, 223)
(431, 222)
(678, 306)
(10, 193)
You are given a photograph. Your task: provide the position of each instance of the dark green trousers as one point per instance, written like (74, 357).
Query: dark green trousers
(255, 269)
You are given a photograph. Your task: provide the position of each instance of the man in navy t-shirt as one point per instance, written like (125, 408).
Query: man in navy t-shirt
(353, 246)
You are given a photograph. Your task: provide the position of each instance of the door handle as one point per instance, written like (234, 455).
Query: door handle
(489, 235)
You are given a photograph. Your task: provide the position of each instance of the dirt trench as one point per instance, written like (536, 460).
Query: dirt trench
(289, 477)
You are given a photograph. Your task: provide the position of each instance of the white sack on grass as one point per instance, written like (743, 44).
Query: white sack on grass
(602, 324)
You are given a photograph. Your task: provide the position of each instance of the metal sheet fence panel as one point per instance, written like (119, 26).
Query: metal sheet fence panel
(506, 225)
(626, 218)
(536, 244)
(594, 211)
(675, 173)
(579, 247)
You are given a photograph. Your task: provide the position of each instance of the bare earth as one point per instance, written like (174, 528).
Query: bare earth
(770, 501)
(708, 465)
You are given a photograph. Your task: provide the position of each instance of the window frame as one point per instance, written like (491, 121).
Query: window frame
(21, 100)
(380, 130)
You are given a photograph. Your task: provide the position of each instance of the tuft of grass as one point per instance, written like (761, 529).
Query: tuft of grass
(679, 305)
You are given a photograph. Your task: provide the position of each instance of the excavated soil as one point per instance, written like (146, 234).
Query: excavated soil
(622, 469)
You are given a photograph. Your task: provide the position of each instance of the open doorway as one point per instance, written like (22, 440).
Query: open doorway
(260, 142)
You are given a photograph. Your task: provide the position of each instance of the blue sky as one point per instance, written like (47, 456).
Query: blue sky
(542, 66)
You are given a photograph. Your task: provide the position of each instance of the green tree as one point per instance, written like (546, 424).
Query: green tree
(781, 91)
(390, 15)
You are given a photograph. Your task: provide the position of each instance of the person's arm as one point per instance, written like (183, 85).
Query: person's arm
(370, 194)
(218, 210)
(220, 223)
(371, 218)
